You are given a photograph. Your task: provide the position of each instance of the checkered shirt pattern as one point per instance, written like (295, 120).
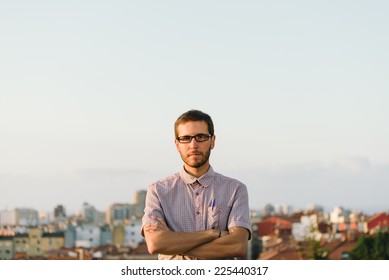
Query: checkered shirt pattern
(185, 203)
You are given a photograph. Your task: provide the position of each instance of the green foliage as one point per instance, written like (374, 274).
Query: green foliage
(371, 247)
(316, 251)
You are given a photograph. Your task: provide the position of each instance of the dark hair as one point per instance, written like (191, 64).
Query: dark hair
(194, 115)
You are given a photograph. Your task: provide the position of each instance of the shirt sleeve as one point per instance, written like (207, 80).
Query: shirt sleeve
(240, 212)
(152, 207)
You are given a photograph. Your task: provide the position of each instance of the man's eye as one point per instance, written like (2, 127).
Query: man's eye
(185, 138)
(202, 137)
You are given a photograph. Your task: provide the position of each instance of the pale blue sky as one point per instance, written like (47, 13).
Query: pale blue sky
(298, 90)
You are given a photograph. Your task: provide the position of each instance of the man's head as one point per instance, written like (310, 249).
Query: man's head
(194, 140)
(194, 115)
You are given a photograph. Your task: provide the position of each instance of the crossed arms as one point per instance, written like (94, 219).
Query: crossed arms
(205, 244)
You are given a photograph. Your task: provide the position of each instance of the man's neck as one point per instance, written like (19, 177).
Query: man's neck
(197, 172)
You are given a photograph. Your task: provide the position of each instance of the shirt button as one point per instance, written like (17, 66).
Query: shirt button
(197, 193)
(198, 213)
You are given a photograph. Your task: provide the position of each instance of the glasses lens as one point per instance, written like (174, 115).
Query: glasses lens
(184, 139)
(201, 137)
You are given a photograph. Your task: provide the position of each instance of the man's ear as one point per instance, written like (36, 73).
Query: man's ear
(177, 144)
(213, 138)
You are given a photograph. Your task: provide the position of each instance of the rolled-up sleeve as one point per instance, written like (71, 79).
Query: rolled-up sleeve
(152, 207)
(240, 212)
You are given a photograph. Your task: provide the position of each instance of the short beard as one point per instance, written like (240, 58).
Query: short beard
(200, 163)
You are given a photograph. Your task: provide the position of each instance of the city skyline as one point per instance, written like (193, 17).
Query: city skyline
(116, 234)
(279, 208)
(89, 93)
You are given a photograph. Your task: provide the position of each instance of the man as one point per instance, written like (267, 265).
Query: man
(196, 213)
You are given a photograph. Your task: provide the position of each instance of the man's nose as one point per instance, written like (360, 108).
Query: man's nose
(193, 143)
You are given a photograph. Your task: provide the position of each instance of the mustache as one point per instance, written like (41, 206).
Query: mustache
(195, 153)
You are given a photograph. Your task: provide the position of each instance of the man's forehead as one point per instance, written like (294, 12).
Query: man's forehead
(198, 126)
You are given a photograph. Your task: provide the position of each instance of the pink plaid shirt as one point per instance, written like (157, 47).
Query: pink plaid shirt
(191, 204)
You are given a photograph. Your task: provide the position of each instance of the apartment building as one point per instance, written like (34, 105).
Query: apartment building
(6, 247)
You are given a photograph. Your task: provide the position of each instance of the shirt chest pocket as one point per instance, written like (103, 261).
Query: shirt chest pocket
(218, 217)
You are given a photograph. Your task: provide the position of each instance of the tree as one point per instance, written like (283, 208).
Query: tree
(380, 246)
(315, 250)
(371, 247)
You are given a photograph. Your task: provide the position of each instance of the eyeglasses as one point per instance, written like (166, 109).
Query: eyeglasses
(198, 137)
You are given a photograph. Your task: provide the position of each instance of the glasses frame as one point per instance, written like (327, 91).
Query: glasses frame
(179, 139)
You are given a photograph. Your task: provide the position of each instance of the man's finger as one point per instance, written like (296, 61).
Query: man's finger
(159, 219)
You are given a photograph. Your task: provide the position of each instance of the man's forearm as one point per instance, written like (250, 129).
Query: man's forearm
(175, 243)
(229, 246)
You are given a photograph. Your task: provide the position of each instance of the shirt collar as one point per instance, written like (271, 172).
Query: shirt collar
(203, 180)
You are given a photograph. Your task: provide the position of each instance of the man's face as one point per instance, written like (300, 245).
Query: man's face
(195, 154)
